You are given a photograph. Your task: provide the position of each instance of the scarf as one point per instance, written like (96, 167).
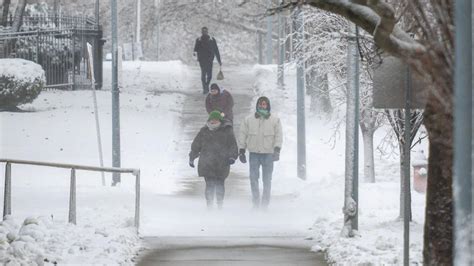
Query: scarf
(263, 113)
(213, 127)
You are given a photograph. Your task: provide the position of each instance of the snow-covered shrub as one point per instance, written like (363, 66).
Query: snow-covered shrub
(21, 81)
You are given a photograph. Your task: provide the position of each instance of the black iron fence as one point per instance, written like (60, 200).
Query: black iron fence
(59, 21)
(59, 45)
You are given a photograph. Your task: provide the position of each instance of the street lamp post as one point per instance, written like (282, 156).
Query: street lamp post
(115, 97)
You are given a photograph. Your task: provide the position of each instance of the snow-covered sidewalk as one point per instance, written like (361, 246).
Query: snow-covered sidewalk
(59, 126)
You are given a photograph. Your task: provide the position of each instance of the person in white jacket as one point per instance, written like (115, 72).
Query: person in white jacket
(262, 135)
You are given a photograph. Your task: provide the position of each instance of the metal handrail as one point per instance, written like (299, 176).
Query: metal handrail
(72, 192)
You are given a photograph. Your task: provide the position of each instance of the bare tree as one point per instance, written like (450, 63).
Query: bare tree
(431, 54)
(18, 18)
(324, 53)
(370, 121)
(396, 117)
(5, 9)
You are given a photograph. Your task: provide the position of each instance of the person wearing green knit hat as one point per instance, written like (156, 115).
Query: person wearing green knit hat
(215, 115)
(216, 147)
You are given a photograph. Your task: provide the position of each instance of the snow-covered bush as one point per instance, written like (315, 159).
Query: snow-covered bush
(21, 81)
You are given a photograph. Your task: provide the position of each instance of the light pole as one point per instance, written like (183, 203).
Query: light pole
(406, 166)
(300, 93)
(157, 25)
(281, 50)
(115, 98)
(462, 185)
(269, 51)
(350, 209)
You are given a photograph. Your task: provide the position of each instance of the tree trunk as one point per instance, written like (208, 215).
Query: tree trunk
(369, 171)
(438, 232)
(18, 19)
(323, 94)
(403, 184)
(318, 89)
(6, 8)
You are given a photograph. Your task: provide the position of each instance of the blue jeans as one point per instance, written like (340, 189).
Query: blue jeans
(266, 161)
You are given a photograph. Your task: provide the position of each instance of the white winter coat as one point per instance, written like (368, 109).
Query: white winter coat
(260, 135)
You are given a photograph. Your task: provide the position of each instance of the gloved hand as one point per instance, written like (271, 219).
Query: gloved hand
(231, 161)
(191, 163)
(242, 157)
(276, 154)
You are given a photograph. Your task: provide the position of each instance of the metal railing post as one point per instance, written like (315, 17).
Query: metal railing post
(37, 47)
(73, 188)
(7, 196)
(72, 198)
(137, 200)
(73, 61)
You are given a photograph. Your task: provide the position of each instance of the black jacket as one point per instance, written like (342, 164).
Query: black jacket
(206, 48)
(214, 148)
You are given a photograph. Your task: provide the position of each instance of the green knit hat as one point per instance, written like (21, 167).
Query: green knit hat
(215, 115)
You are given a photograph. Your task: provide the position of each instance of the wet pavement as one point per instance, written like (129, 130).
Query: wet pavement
(242, 252)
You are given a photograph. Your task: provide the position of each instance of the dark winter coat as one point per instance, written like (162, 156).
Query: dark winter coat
(222, 102)
(206, 48)
(214, 149)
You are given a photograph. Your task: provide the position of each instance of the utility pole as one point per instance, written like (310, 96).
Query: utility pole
(300, 93)
(115, 98)
(355, 174)
(281, 49)
(463, 178)
(138, 21)
(406, 169)
(157, 25)
(260, 48)
(269, 51)
(137, 30)
(350, 209)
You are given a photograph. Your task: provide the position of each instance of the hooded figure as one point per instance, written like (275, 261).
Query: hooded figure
(216, 147)
(221, 101)
(261, 134)
(206, 48)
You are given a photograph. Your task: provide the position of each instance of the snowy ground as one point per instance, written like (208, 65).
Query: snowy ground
(380, 237)
(60, 127)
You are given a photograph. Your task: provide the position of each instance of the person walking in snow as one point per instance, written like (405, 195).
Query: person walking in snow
(216, 147)
(206, 48)
(262, 135)
(221, 101)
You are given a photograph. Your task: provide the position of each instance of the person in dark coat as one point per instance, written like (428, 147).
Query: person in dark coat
(206, 48)
(216, 147)
(221, 101)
